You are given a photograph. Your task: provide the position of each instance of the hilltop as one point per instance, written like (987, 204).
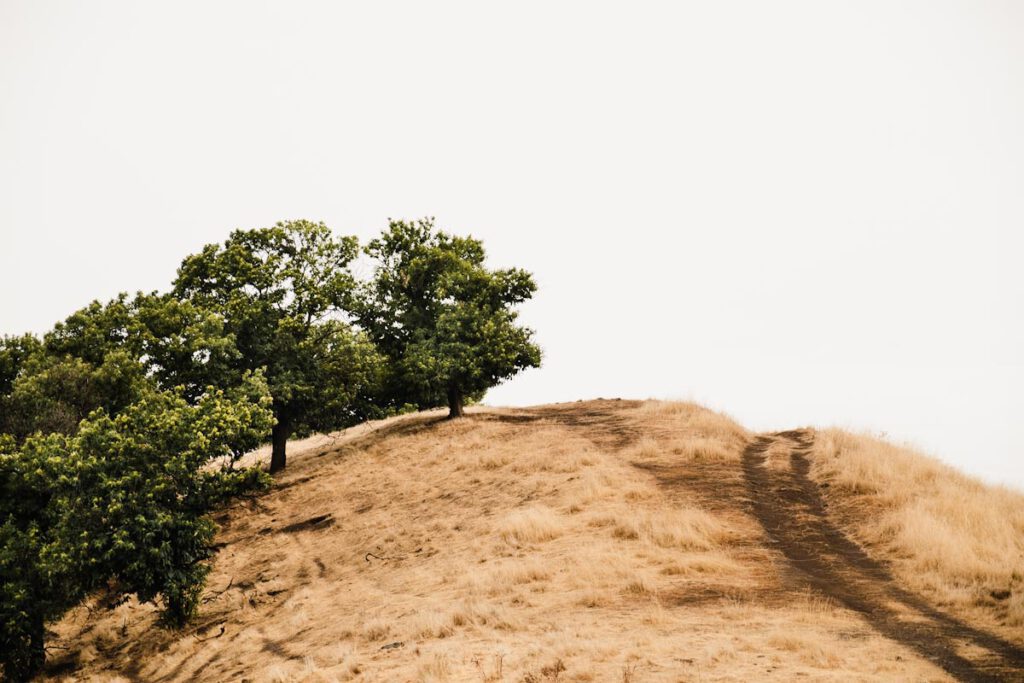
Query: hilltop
(593, 541)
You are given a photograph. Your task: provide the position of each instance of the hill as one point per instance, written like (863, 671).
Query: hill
(591, 541)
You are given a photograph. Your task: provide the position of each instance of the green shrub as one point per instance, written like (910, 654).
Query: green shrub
(120, 504)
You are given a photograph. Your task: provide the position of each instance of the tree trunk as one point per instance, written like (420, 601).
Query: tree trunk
(279, 436)
(36, 655)
(455, 402)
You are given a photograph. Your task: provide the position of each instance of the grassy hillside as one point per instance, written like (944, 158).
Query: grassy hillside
(957, 541)
(590, 541)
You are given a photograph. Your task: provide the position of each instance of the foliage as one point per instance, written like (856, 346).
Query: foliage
(446, 322)
(91, 360)
(106, 356)
(53, 394)
(280, 293)
(184, 346)
(14, 352)
(94, 331)
(121, 504)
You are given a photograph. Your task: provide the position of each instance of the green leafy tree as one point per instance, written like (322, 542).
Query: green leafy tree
(89, 361)
(280, 293)
(173, 343)
(54, 394)
(445, 321)
(29, 597)
(14, 352)
(184, 346)
(119, 505)
(92, 332)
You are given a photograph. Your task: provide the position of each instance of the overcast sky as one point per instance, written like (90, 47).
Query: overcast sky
(798, 212)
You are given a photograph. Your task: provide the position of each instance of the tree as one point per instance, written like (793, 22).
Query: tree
(89, 361)
(172, 343)
(281, 293)
(53, 394)
(446, 322)
(183, 346)
(92, 332)
(119, 505)
(14, 352)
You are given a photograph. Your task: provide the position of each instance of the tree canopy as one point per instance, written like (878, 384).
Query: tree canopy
(446, 322)
(281, 293)
(84, 363)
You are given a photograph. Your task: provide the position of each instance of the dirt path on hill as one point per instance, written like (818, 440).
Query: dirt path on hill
(792, 511)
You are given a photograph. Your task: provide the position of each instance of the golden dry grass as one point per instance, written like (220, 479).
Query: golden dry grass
(595, 541)
(955, 540)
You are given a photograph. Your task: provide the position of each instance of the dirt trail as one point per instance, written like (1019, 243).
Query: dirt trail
(790, 507)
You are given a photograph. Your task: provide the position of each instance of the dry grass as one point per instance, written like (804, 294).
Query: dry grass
(956, 540)
(509, 546)
(534, 524)
(700, 434)
(687, 529)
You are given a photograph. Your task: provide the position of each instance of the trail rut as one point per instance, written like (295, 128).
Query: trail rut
(790, 507)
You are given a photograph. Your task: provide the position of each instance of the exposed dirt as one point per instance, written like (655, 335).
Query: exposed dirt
(790, 507)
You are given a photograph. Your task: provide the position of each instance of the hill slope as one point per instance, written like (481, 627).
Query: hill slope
(592, 541)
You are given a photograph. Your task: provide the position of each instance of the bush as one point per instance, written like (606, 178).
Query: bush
(122, 504)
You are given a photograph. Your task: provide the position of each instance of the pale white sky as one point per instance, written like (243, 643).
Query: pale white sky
(798, 212)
